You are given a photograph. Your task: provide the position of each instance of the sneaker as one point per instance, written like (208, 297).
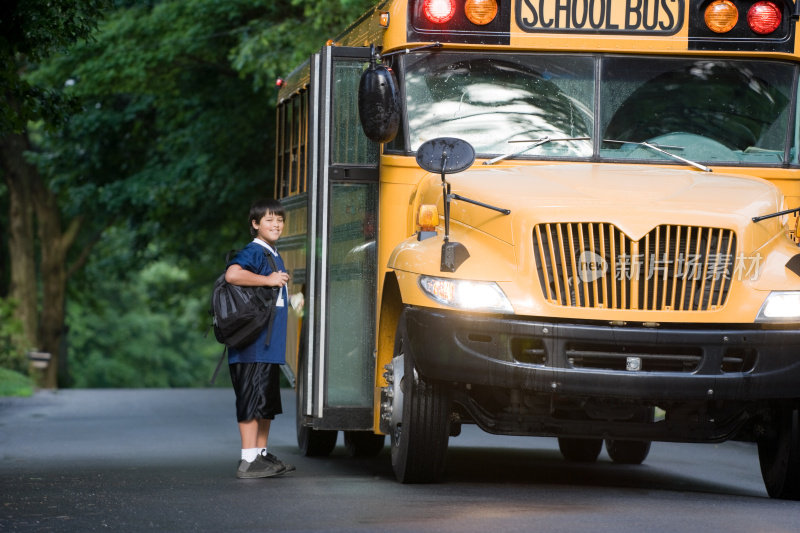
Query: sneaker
(286, 466)
(261, 467)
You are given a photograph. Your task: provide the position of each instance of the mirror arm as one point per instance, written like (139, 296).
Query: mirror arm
(475, 202)
(779, 213)
(445, 198)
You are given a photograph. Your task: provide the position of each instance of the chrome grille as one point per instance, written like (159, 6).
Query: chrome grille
(672, 268)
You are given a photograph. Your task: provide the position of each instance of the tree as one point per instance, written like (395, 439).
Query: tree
(272, 46)
(165, 132)
(31, 31)
(169, 144)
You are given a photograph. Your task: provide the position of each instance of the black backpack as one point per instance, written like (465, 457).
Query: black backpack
(239, 314)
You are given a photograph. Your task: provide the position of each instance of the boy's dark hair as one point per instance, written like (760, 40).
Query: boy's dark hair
(261, 208)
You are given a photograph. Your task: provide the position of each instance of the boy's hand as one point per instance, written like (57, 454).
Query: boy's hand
(278, 279)
(297, 300)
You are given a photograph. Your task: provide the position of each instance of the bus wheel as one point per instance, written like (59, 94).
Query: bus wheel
(779, 455)
(580, 450)
(419, 436)
(628, 452)
(363, 443)
(316, 442)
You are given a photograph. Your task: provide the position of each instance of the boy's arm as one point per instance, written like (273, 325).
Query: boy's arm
(236, 275)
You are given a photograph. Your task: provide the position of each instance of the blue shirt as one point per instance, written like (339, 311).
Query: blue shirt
(252, 258)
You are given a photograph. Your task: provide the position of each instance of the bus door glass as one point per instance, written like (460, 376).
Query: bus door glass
(346, 193)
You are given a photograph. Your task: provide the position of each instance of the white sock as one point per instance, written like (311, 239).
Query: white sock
(263, 451)
(250, 454)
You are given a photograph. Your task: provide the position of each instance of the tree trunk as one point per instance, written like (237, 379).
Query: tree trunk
(54, 246)
(29, 196)
(21, 237)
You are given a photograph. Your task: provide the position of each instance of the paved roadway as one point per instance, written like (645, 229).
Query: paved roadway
(165, 460)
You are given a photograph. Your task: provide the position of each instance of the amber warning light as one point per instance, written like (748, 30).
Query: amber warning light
(428, 217)
(479, 12)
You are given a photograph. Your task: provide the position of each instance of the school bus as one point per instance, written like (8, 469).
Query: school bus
(564, 218)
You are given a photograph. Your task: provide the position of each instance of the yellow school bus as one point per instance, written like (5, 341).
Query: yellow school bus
(564, 218)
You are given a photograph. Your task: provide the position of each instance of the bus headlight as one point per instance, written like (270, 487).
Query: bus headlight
(780, 306)
(465, 294)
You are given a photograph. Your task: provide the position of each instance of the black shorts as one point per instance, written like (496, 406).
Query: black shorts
(258, 390)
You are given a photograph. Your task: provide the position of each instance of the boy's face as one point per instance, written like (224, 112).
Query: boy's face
(269, 228)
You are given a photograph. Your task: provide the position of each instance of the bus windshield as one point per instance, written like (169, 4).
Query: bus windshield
(708, 110)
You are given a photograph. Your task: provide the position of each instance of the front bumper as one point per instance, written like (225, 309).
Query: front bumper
(682, 362)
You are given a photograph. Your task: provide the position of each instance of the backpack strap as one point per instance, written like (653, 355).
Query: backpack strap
(274, 267)
(219, 365)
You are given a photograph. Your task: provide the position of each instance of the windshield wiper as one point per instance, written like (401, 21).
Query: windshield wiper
(660, 150)
(535, 143)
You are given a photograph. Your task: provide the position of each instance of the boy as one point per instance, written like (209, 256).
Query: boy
(255, 370)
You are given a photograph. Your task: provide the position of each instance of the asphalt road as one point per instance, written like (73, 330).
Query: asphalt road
(165, 460)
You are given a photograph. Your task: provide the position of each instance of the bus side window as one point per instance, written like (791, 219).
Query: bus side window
(291, 146)
(349, 145)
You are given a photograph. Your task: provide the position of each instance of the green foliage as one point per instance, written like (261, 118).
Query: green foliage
(4, 259)
(36, 29)
(14, 384)
(29, 32)
(271, 47)
(145, 331)
(172, 139)
(12, 346)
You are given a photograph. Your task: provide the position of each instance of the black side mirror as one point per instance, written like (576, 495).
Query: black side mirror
(447, 155)
(378, 103)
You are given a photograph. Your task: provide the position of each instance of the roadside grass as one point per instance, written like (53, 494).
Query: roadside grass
(14, 384)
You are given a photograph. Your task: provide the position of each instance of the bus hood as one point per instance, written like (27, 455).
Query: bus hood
(635, 198)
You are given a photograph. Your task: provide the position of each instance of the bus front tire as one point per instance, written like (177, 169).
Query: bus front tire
(628, 452)
(419, 441)
(580, 450)
(779, 455)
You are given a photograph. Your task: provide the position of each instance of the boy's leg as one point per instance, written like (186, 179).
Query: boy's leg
(272, 395)
(251, 434)
(254, 433)
(263, 432)
(246, 378)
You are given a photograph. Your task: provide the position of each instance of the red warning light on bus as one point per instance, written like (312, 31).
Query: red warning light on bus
(439, 11)
(764, 17)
